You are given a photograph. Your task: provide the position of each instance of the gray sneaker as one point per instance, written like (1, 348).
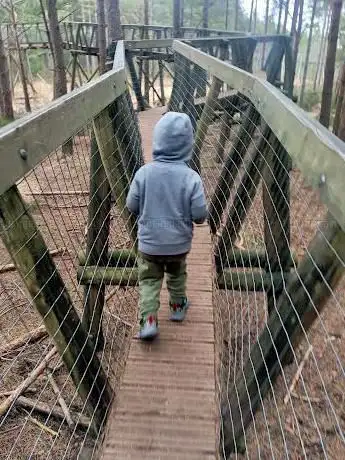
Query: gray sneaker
(179, 310)
(149, 328)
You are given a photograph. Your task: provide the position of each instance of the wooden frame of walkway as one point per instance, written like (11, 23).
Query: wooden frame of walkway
(166, 406)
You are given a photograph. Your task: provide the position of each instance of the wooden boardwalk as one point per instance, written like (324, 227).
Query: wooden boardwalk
(166, 405)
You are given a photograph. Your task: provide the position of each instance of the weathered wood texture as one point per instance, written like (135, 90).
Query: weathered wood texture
(97, 243)
(231, 167)
(316, 151)
(116, 258)
(113, 164)
(276, 203)
(166, 405)
(27, 248)
(303, 298)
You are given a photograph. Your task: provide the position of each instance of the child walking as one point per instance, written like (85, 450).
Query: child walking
(168, 197)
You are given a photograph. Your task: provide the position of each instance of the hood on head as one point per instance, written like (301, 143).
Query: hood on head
(173, 138)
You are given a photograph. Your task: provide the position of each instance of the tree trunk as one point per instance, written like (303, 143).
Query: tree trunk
(280, 13)
(205, 11)
(60, 80)
(306, 63)
(102, 39)
(20, 58)
(114, 21)
(177, 18)
(297, 36)
(146, 63)
(286, 14)
(255, 16)
(319, 57)
(227, 15)
(182, 13)
(327, 91)
(324, 46)
(46, 25)
(263, 57)
(251, 16)
(340, 103)
(236, 14)
(6, 105)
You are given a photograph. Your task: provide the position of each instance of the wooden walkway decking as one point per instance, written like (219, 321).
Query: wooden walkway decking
(166, 405)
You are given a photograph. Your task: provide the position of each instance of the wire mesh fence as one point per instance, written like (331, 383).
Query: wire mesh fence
(279, 255)
(66, 227)
(278, 291)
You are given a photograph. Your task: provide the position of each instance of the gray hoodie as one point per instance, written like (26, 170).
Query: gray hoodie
(166, 194)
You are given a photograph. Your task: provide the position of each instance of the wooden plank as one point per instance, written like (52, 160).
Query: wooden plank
(318, 153)
(276, 203)
(44, 131)
(179, 362)
(50, 297)
(112, 161)
(96, 243)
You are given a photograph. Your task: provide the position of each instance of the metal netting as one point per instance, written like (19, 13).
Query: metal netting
(273, 241)
(68, 196)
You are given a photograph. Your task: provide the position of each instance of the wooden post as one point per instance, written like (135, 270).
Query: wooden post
(174, 102)
(31, 256)
(126, 130)
(112, 161)
(301, 303)
(274, 62)
(276, 203)
(231, 167)
(97, 244)
(200, 76)
(74, 69)
(204, 122)
(229, 111)
(244, 195)
(142, 104)
(206, 116)
(161, 73)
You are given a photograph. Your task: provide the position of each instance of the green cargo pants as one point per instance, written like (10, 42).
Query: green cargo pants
(151, 274)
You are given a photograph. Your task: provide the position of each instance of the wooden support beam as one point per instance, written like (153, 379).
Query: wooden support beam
(116, 258)
(276, 203)
(107, 275)
(206, 116)
(96, 243)
(251, 280)
(109, 150)
(30, 254)
(304, 297)
(231, 167)
(225, 127)
(244, 194)
(127, 133)
(142, 103)
(204, 123)
(240, 258)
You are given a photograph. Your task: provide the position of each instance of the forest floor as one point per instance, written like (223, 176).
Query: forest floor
(312, 422)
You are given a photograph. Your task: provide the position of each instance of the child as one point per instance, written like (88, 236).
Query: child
(168, 196)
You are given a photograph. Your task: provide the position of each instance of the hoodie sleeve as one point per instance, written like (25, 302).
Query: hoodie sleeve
(133, 197)
(198, 205)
